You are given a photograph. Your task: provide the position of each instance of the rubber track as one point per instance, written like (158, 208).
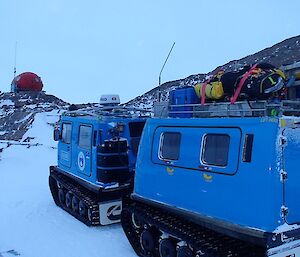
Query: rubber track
(209, 242)
(81, 193)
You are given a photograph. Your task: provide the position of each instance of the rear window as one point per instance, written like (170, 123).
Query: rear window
(85, 137)
(169, 146)
(136, 128)
(66, 133)
(215, 149)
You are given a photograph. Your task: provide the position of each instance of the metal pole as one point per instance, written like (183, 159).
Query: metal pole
(15, 63)
(159, 78)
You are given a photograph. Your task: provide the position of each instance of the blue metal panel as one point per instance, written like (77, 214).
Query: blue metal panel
(291, 165)
(245, 193)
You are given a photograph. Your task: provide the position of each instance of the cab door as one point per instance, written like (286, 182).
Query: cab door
(84, 149)
(64, 147)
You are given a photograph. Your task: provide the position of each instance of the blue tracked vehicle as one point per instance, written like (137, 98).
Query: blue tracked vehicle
(224, 181)
(96, 161)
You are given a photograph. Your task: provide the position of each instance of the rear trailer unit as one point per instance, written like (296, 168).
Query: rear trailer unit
(217, 179)
(97, 151)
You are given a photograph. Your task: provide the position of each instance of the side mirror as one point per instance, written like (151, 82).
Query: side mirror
(56, 134)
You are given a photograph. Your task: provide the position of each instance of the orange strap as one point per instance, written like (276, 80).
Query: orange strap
(203, 91)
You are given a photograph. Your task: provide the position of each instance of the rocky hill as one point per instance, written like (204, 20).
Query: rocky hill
(17, 112)
(283, 53)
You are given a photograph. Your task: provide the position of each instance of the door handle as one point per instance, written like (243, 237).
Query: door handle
(205, 168)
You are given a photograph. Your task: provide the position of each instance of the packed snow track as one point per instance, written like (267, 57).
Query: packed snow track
(31, 224)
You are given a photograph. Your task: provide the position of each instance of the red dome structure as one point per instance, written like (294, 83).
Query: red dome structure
(27, 81)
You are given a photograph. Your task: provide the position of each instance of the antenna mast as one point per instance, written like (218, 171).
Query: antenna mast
(159, 79)
(15, 62)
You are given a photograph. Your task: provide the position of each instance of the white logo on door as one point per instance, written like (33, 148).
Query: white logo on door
(81, 161)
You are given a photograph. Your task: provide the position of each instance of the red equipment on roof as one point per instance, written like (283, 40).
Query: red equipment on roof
(27, 81)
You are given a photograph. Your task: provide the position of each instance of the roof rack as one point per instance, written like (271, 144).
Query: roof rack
(226, 109)
(293, 70)
(110, 111)
(244, 108)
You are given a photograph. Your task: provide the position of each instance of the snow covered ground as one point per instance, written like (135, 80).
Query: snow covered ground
(31, 225)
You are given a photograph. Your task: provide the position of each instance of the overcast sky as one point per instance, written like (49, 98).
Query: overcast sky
(82, 49)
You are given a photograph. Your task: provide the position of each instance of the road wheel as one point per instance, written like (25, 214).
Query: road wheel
(148, 240)
(136, 221)
(75, 204)
(69, 196)
(184, 251)
(82, 209)
(61, 196)
(167, 248)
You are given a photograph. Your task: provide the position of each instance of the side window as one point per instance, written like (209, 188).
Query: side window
(66, 133)
(215, 149)
(85, 137)
(247, 150)
(169, 145)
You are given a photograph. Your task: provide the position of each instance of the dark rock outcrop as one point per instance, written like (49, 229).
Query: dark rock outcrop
(18, 110)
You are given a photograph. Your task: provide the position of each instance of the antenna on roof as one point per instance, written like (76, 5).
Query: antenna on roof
(159, 78)
(15, 62)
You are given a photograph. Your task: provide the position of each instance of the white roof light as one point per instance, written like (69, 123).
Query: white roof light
(110, 100)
